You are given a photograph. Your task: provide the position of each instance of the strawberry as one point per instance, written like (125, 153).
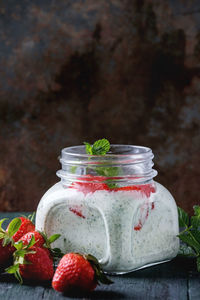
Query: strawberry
(76, 271)
(41, 267)
(31, 262)
(28, 236)
(5, 252)
(90, 184)
(6, 241)
(26, 226)
(43, 242)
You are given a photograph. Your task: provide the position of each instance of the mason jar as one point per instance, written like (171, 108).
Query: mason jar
(111, 207)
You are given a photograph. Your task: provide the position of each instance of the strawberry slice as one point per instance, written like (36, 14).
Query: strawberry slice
(90, 187)
(146, 189)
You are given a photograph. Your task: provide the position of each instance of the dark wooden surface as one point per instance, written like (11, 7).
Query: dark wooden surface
(177, 280)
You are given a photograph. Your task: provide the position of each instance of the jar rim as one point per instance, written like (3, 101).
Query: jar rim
(126, 160)
(117, 151)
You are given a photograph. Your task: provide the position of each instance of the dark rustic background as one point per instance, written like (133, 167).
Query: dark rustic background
(74, 71)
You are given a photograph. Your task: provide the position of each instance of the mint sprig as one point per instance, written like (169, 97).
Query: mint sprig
(100, 147)
(190, 236)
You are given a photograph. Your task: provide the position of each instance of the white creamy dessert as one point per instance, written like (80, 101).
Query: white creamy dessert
(124, 229)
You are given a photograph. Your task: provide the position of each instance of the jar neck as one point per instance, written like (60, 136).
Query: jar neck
(123, 163)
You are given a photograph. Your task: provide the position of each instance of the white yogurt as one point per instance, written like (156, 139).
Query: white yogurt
(125, 230)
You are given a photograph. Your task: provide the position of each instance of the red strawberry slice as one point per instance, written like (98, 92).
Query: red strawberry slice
(90, 187)
(146, 189)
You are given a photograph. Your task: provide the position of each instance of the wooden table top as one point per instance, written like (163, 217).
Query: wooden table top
(177, 280)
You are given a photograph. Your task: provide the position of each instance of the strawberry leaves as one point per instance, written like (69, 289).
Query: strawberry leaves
(190, 236)
(19, 258)
(55, 252)
(99, 274)
(14, 226)
(7, 235)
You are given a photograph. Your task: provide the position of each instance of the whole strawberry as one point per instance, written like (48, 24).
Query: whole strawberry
(26, 226)
(76, 271)
(40, 265)
(26, 238)
(42, 241)
(6, 241)
(31, 262)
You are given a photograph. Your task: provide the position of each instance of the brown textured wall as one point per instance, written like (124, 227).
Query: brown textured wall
(72, 71)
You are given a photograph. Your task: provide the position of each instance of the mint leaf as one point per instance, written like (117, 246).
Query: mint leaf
(88, 148)
(183, 218)
(191, 241)
(101, 147)
(108, 171)
(195, 221)
(14, 226)
(196, 235)
(73, 169)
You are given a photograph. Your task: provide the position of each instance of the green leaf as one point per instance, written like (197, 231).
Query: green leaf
(32, 242)
(32, 217)
(6, 240)
(185, 250)
(195, 221)
(99, 274)
(12, 269)
(196, 235)
(18, 245)
(21, 252)
(15, 270)
(183, 218)
(198, 264)
(101, 147)
(88, 148)
(2, 235)
(190, 240)
(18, 276)
(14, 226)
(53, 238)
(73, 169)
(196, 210)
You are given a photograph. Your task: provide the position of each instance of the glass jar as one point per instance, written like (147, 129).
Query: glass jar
(111, 207)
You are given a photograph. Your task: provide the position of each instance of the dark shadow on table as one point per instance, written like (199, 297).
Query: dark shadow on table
(178, 267)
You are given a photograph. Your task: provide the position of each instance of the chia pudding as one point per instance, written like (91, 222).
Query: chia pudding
(127, 226)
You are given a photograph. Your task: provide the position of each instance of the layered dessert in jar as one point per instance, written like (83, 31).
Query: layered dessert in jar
(110, 206)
